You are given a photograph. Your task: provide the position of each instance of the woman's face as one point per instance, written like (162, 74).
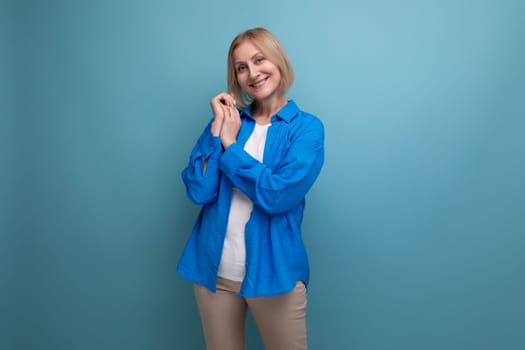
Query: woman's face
(256, 75)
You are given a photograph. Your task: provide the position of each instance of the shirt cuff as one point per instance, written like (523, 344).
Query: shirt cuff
(233, 158)
(210, 146)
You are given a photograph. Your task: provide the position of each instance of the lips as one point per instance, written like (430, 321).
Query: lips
(259, 83)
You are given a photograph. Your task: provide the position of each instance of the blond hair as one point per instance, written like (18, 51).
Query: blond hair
(271, 49)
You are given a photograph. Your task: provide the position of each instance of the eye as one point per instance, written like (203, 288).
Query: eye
(241, 68)
(259, 59)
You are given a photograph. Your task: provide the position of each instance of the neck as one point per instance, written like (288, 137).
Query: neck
(262, 111)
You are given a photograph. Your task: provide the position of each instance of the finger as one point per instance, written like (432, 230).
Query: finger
(215, 105)
(234, 102)
(231, 112)
(216, 100)
(226, 112)
(222, 101)
(218, 112)
(227, 99)
(234, 113)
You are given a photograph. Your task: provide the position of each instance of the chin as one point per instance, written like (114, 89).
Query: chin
(262, 95)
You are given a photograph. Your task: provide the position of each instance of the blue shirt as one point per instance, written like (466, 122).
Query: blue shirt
(275, 254)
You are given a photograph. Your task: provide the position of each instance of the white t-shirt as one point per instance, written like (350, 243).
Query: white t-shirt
(233, 258)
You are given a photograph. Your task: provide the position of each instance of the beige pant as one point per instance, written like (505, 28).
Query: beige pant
(281, 319)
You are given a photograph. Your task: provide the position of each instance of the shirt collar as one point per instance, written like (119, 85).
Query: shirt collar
(287, 113)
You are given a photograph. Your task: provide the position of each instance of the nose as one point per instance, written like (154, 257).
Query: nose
(253, 72)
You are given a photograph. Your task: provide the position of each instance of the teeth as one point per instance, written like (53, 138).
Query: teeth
(259, 83)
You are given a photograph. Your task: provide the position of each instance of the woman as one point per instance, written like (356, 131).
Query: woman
(250, 170)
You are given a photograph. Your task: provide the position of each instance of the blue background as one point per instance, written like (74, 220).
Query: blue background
(415, 228)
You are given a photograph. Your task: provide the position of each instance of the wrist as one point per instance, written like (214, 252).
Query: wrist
(215, 130)
(227, 144)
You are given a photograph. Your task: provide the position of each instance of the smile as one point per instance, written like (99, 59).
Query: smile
(259, 83)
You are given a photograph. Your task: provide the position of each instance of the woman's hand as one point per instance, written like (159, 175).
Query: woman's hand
(219, 106)
(230, 126)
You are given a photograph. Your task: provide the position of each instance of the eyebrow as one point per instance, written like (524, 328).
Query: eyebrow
(251, 58)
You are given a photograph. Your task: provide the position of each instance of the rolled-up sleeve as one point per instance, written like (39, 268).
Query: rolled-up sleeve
(202, 174)
(277, 190)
